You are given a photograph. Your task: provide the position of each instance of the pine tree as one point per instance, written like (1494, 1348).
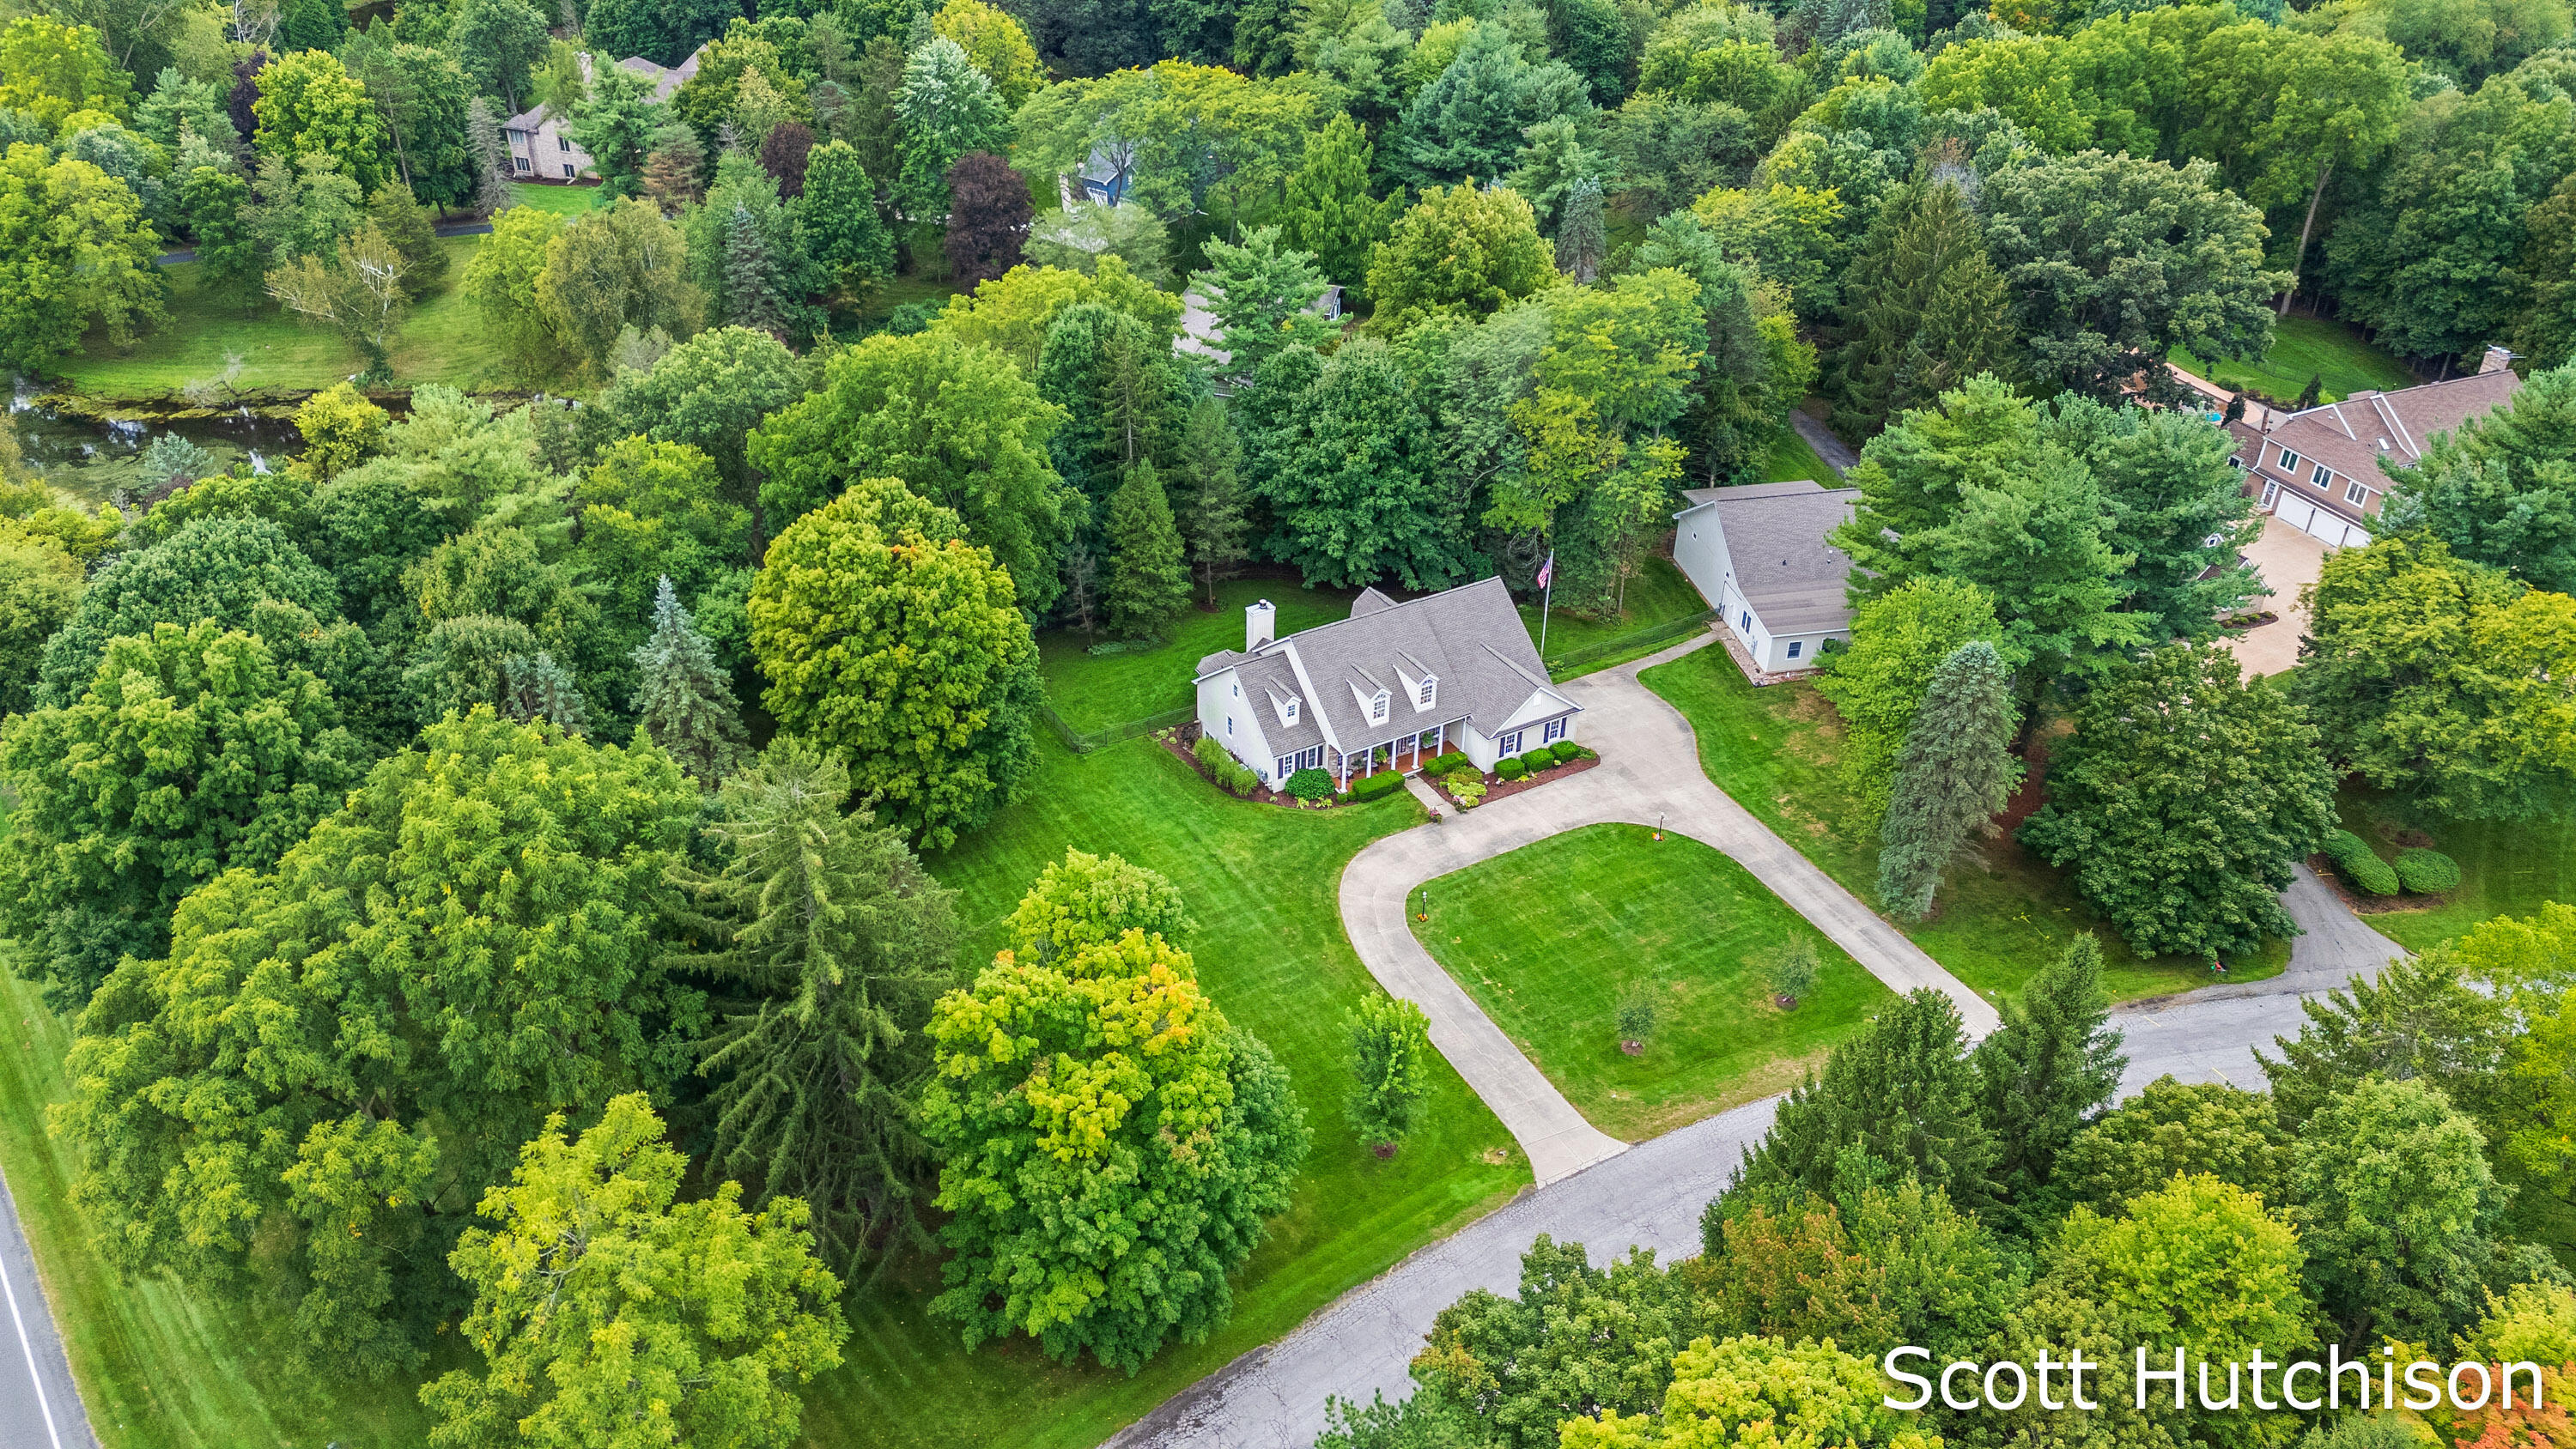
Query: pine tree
(1149, 583)
(682, 697)
(1955, 771)
(1080, 602)
(838, 942)
(2052, 1065)
(1329, 210)
(751, 289)
(1583, 236)
(1213, 506)
(534, 686)
(1390, 1051)
(492, 191)
(1899, 1100)
(1925, 308)
(673, 171)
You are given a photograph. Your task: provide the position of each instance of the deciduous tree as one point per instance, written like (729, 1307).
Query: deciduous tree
(2174, 1129)
(2398, 1208)
(501, 282)
(309, 104)
(1351, 473)
(1329, 211)
(1459, 251)
(1897, 640)
(890, 640)
(1746, 1388)
(1390, 1054)
(2501, 488)
(80, 254)
(849, 241)
(1259, 293)
(988, 217)
(618, 266)
(215, 568)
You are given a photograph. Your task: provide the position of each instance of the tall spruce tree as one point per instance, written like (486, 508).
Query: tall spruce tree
(1212, 503)
(1583, 235)
(681, 695)
(1954, 773)
(2054, 1064)
(750, 285)
(1329, 211)
(1897, 1101)
(534, 686)
(1149, 580)
(837, 942)
(492, 192)
(1924, 309)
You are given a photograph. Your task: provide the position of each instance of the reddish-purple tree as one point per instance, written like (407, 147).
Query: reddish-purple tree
(783, 155)
(988, 217)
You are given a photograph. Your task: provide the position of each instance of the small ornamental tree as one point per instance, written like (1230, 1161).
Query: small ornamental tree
(888, 638)
(600, 1298)
(834, 942)
(1085, 899)
(989, 212)
(1390, 1054)
(1110, 1148)
(191, 752)
(1954, 775)
(1792, 971)
(682, 698)
(2182, 801)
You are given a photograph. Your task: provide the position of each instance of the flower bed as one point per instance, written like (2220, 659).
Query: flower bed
(1180, 741)
(1497, 788)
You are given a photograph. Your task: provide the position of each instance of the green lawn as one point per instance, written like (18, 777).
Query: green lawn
(1550, 938)
(160, 1366)
(1095, 691)
(2000, 918)
(881, 302)
(2505, 869)
(2305, 347)
(1793, 458)
(1262, 883)
(1657, 595)
(561, 200)
(442, 341)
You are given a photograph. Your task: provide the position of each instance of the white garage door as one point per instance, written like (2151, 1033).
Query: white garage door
(2355, 536)
(2301, 515)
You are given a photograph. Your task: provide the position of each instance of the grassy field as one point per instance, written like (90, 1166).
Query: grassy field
(160, 1366)
(1095, 691)
(1792, 458)
(2305, 347)
(1657, 595)
(1262, 883)
(1550, 938)
(880, 304)
(2000, 917)
(561, 200)
(442, 341)
(2505, 869)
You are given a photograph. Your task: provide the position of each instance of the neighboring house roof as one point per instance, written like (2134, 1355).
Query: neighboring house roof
(666, 79)
(1469, 638)
(2351, 436)
(1198, 335)
(1775, 543)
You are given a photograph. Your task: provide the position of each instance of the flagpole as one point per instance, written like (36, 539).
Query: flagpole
(1547, 600)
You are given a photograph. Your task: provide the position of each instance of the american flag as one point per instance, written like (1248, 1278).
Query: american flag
(1547, 570)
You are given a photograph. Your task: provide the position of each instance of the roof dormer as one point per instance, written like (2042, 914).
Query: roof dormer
(1421, 686)
(1287, 706)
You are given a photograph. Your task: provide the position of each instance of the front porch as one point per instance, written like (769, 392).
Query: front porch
(1405, 752)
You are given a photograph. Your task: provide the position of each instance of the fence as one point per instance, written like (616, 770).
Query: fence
(1083, 742)
(1623, 647)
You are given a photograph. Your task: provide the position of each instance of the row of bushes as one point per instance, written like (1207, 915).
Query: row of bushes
(1229, 772)
(1537, 760)
(2417, 871)
(1372, 786)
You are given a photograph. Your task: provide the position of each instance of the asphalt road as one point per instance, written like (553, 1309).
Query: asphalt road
(39, 1407)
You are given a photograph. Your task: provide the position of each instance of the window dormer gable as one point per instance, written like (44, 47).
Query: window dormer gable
(1374, 699)
(1287, 706)
(1421, 686)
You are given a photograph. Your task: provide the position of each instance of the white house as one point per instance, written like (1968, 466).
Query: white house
(1389, 686)
(1758, 554)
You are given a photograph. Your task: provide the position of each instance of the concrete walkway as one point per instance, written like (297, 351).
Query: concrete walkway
(1838, 455)
(1651, 1195)
(1649, 774)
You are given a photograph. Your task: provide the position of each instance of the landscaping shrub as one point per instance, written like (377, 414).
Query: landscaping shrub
(1467, 786)
(2427, 872)
(1446, 763)
(1308, 784)
(1537, 760)
(1565, 750)
(1228, 772)
(1792, 970)
(2359, 867)
(1636, 1016)
(1376, 785)
(1510, 770)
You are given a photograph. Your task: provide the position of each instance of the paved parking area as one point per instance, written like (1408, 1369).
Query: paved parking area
(2287, 561)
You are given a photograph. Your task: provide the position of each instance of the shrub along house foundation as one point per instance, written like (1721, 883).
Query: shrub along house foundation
(1387, 688)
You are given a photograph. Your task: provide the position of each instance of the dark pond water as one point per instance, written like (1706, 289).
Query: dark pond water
(92, 458)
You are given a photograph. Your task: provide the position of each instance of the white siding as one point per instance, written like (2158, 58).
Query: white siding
(1222, 698)
(1699, 546)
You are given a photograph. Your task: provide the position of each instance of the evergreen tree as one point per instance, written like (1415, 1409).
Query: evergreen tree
(1149, 581)
(491, 154)
(1390, 1054)
(534, 686)
(1924, 309)
(1259, 293)
(2047, 1071)
(1954, 773)
(750, 277)
(948, 109)
(1899, 1100)
(682, 698)
(2175, 505)
(838, 942)
(1214, 508)
(746, 251)
(1329, 211)
(839, 210)
(674, 168)
(1583, 234)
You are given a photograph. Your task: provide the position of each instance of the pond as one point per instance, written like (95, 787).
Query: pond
(92, 458)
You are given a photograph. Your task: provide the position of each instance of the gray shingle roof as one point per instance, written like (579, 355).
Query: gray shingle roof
(1775, 537)
(1469, 638)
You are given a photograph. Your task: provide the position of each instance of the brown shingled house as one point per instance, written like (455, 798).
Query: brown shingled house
(2318, 471)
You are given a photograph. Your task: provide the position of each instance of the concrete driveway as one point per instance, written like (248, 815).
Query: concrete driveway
(2286, 561)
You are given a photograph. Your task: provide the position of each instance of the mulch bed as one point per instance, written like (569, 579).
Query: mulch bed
(1505, 789)
(2257, 622)
(1173, 740)
(2362, 903)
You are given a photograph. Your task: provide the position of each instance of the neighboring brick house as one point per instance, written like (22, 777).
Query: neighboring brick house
(2318, 471)
(539, 149)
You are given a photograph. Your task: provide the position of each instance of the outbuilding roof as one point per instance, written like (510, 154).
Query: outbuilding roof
(1776, 542)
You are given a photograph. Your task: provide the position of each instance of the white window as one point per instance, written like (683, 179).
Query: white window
(1795, 645)
(1509, 744)
(1430, 689)
(1555, 731)
(563, 143)
(2321, 475)
(2354, 492)
(2271, 491)
(1377, 708)
(2289, 462)
(1748, 620)
(1287, 766)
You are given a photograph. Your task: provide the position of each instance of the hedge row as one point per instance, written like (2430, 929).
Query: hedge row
(2360, 867)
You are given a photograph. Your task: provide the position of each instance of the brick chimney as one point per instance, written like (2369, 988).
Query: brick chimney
(1260, 624)
(2496, 360)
